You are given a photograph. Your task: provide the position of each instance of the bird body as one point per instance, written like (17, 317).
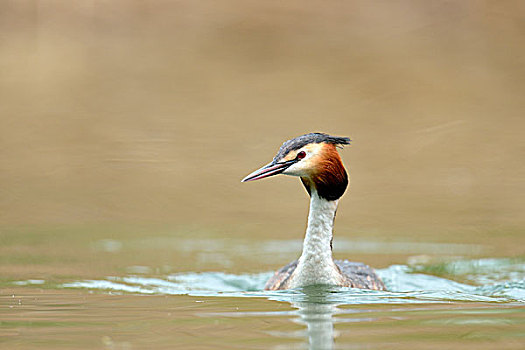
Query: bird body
(314, 158)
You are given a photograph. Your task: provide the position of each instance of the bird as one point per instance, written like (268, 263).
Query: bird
(315, 160)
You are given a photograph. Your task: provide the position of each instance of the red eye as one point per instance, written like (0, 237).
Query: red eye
(301, 155)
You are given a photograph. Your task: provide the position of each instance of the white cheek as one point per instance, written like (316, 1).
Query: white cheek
(297, 169)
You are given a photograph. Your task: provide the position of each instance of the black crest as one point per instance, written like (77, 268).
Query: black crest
(303, 140)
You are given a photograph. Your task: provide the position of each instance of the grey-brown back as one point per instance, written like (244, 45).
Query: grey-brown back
(356, 275)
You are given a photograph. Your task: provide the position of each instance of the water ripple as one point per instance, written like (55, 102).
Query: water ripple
(405, 285)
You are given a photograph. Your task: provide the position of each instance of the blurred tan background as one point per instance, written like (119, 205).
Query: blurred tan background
(151, 112)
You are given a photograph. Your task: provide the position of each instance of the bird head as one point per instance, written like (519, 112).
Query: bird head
(314, 158)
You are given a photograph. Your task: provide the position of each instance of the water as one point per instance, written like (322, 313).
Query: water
(404, 285)
(418, 308)
(119, 288)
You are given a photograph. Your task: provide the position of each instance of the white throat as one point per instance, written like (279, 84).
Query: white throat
(316, 265)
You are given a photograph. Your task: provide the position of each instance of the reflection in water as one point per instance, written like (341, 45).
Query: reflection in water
(316, 312)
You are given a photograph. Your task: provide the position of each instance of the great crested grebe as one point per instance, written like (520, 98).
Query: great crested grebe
(314, 158)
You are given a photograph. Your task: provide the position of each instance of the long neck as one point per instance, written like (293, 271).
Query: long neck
(318, 239)
(316, 265)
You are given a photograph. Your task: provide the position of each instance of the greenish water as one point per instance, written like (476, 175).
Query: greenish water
(425, 307)
(125, 288)
(498, 280)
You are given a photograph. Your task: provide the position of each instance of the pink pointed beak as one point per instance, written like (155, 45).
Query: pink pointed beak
(268, 170)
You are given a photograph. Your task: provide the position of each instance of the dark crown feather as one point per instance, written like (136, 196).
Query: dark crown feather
(303, 140)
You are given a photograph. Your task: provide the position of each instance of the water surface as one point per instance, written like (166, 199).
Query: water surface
(462, 303)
